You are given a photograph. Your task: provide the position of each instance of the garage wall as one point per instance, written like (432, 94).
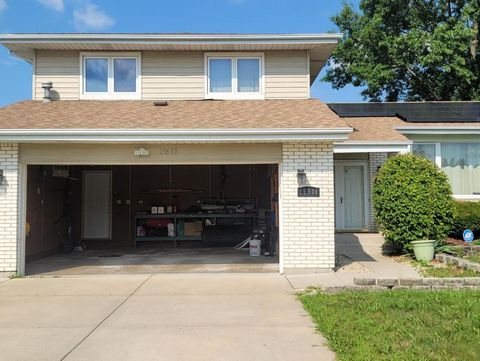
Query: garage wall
(109, 154)
(8, 207)
(45, 195)
(307, 224)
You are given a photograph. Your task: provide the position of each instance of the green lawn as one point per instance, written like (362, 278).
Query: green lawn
(448, 270)
(474, 258)
(399, 325)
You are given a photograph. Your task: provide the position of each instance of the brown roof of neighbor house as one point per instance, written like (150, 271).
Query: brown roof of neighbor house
(375, 129)
(207, 114)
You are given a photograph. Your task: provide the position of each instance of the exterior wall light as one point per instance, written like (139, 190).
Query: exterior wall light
(301, 177)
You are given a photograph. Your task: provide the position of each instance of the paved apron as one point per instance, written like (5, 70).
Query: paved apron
(162, 317)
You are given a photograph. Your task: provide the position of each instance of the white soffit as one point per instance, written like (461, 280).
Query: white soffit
(319, 46)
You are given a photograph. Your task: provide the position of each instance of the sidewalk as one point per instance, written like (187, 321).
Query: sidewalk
(361, 255)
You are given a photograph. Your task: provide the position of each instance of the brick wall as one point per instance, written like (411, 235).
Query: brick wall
(308, 226)
(375, 161)
(8, 207)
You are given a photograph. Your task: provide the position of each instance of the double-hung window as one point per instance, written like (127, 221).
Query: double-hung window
(234, 77)
(110, 76)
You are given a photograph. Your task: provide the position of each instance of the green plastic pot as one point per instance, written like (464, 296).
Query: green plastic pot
(424, 250)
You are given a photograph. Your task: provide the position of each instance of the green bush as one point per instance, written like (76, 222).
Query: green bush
(413, 201)
(466, 215)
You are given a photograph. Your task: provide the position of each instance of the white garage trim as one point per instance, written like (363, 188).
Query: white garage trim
(123, 154)
(170, 135)
(22, 218)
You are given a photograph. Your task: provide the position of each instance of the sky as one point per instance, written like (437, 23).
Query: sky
(124, 16)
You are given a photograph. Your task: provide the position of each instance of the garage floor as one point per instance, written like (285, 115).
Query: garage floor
(151, 261)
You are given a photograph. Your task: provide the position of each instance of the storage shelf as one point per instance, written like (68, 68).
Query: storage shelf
(166, 238)
(175, 217)
(195, 215)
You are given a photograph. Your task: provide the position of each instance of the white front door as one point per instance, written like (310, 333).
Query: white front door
(351, 196)
(97, 204)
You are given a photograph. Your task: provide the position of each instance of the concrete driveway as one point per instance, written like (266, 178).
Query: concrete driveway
(190, 317)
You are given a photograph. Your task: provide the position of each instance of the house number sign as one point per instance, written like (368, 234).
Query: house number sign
(308, 191)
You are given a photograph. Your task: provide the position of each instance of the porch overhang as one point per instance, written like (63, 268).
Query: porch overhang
(439, 130)
(371, 147)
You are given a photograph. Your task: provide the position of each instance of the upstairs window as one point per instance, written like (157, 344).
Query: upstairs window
(110, 77)
(234, 77)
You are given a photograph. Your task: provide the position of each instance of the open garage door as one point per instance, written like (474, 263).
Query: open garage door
(85, 219)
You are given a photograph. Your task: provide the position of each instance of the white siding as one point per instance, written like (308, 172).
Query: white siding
(62, 68)
(286, 75)
(172, 75)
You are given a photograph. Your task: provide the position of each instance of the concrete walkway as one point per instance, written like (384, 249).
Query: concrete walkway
(162, 317)
(364, 258)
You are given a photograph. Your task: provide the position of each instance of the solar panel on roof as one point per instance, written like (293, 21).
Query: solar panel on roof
(413, 112)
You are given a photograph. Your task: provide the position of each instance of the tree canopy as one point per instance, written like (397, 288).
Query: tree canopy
(409, 50)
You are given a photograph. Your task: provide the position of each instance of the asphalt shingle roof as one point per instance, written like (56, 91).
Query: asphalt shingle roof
(140, 114)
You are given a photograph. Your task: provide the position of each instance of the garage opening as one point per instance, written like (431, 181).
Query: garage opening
(151, 219)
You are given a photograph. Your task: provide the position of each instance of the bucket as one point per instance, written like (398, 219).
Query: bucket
(255, 245)
(424, 250)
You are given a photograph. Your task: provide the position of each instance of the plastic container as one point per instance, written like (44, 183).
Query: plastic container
(424, 250)
(255, 247)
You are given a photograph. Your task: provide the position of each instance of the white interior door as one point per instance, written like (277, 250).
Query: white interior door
(97, 204)
(350, 189)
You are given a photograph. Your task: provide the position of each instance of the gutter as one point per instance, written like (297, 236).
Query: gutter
(172, 135)
(171, 38)
(439, 130)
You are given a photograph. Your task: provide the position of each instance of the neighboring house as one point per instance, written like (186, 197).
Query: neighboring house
(121, 125)
(444, 132)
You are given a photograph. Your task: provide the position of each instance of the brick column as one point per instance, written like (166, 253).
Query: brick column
(376, 160)
(8, 207)
(308, 226)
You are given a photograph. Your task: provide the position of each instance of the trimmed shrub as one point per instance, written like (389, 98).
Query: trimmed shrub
(413, 201)
(466, 215)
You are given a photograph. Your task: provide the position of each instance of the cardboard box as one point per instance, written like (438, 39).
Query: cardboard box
(198, 225)
(191, 230)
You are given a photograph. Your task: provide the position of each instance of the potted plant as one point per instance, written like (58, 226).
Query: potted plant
(424, 250)
(413, 204)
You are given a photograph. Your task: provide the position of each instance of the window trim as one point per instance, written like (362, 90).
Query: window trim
(235, 94)
(438, 163)
(110, 94)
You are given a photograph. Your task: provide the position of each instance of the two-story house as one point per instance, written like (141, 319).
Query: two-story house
(184, 142)
(173, 138)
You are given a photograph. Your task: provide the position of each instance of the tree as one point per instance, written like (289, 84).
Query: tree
(409, 50)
